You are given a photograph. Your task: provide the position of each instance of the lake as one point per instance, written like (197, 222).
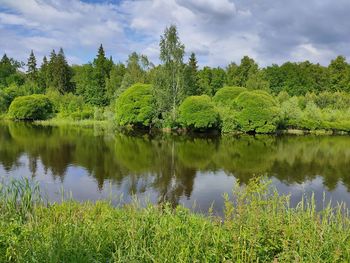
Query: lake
(93, 164)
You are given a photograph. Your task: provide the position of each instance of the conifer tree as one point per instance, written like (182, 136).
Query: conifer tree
(32, 71)
(44, 74)
(191, 77)
(62, 73)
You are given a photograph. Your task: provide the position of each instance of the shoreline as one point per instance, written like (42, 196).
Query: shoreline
(105, 124)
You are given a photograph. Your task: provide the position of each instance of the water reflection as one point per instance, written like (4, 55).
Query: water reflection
(173, 168)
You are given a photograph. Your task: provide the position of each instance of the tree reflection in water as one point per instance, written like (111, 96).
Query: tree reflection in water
(169, 164)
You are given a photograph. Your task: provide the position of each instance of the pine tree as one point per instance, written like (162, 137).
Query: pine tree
(62, 72)
(102, 67)
(44, 74)
(32, 71)
(50, 78)
(59, 73)
(191, 77)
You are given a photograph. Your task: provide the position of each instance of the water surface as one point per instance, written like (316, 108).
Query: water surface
(91, 164)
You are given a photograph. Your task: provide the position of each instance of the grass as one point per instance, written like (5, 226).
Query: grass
(258, 226)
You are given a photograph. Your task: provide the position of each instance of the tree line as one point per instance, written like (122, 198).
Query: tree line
(177, 93)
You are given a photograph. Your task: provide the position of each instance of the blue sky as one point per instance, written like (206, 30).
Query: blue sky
(218, 31)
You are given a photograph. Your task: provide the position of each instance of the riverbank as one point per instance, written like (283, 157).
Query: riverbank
(258, 226)
(110, 125)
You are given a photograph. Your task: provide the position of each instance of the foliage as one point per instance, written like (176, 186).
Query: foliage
(198, 112)
(290, 113)
(239, 75)
(169, 85)
(31, 107)
(135, 106)
(9, 94)
(310, 96)
(32, 71)
(258, 226)
(59, 73)
(210, 80)
(226, 95)
(191, 77)
(135, 72)
(114, 83)
(257, 112)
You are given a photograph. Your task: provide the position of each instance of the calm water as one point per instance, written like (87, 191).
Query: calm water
(91, 164)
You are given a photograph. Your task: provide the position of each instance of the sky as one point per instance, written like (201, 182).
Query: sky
(218, 31)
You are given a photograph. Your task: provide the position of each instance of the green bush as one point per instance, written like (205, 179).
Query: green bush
(290, 113)
(8, 94)
(198, 112)
(32, 107)
(226, 95)
(228, 119)
(257, 112)
(135, 106)
(311, 117)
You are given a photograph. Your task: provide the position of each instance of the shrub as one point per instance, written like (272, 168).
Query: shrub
(311, 117)
(228, 119)
(198, 112)
(135, 106)
(32, 107)
(290, 114)
(226, 95)
(9, 94)
(257, 112)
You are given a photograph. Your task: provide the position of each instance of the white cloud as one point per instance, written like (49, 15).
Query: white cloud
(309, 52)
(219, 31)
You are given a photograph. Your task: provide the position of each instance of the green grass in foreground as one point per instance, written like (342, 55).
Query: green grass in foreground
(258, 227)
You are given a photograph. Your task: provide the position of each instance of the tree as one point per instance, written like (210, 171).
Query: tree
(135, 106)
(226, 95)
(136, 67)
(231, 74)
(257, 112)
(63, 73)
(44, 74)
(239, 75)
(204, 80)
(339, 71)
(169, 86)
(32, 71)
(9, 72)
(210, 80)
(59, 72)
(191, 77)
(218, 79)
(257, 81)
(102, 68)
(87, 85)
(198, 112)
(114, 82)
(51, 69)
(32, 107)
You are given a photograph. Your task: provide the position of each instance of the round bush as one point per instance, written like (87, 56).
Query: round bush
(226, 95)
(257, 112)
(135, 106)
(198, 112)
(32, 107)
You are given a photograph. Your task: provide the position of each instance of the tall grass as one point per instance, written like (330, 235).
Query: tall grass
(258, 226)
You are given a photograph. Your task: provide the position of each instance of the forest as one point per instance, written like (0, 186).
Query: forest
(178, 94)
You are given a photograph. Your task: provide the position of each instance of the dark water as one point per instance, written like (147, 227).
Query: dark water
(92, 164)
